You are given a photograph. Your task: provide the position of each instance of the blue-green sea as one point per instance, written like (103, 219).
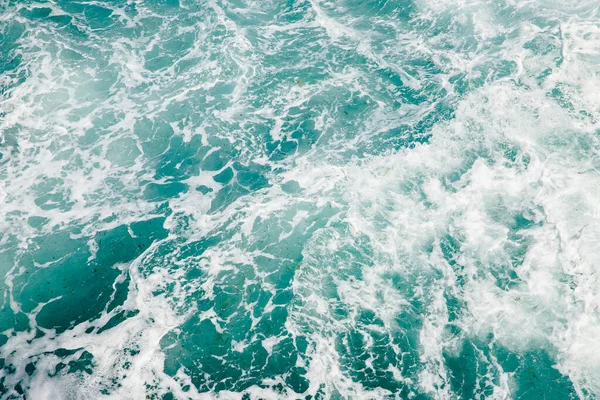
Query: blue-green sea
(299, 199)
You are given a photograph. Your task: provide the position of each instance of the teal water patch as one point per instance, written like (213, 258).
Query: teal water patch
(306, 200)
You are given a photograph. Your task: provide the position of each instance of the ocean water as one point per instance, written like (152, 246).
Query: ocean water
(307, 199)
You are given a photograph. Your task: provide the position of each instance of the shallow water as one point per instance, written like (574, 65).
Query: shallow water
(305, 199)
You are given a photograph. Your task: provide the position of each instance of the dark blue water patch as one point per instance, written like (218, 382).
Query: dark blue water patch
(537, 376)
(36, 13)
(156, 61)
(8, 318)
(370, 9)
(289, 248)
(462, 371)
(299, 135)
(354, 355)
(291, 187)
(118, 246)
(11, 61)
(226, 196)
(229, 296)
(213, 161)
(281, 149)
(200, 343)
(224, 176)
(9, 144)
(204, 189)
(102, 122)
(160, 192)
(119, 317)
(155, 136)
(43, 15)
(8, 64)
(284, 355)
(65, 22)
(404, 94)
(534, 373)
(179, 45)
(226, 300)
(86, 285)
(51, 196)
(182, 159)
(248, 179)
(168, 7)
(96, 89)
(73, 361)
(98, 17)
(197, 248)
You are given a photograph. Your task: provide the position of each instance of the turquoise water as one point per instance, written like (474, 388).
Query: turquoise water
(307, 199)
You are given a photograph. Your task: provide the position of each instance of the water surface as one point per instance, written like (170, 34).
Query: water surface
(309, 199)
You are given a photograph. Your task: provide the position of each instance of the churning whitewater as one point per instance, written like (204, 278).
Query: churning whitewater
(299, 199)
